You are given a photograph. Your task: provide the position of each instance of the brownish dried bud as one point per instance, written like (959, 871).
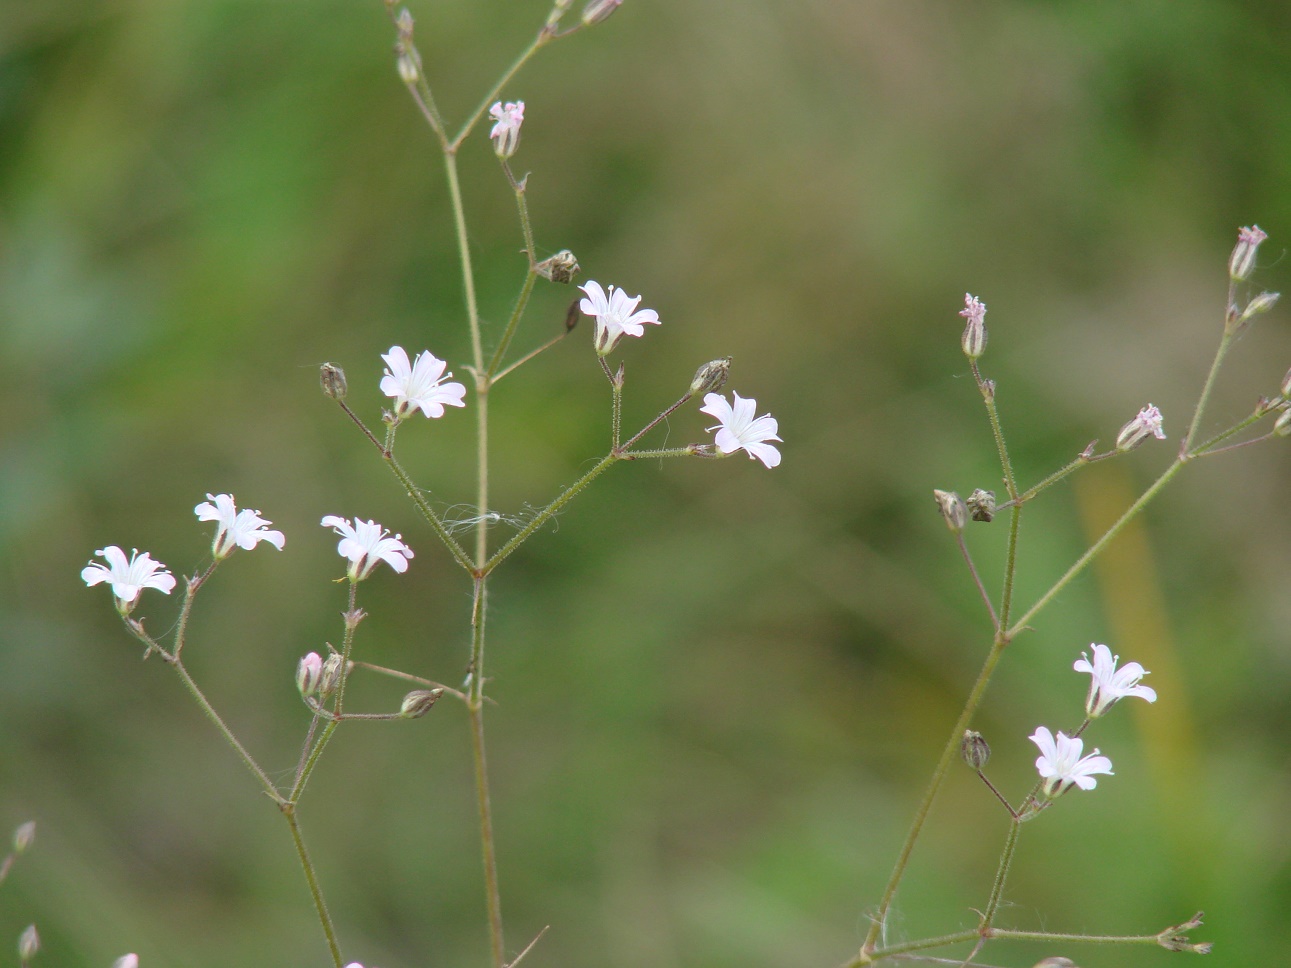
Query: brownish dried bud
(571, 316)
(981, 505)
(332, 377)
(711, 376)
(561, 267)
(974, 750)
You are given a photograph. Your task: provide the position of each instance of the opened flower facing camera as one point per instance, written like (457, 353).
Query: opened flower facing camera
(419, 385)
(366, 544)
(128, 578)
(1061, 766)
(616, 315)
(236, 529)
(1108, 684)
(739, 429)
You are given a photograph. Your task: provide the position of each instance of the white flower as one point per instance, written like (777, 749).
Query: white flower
(128, 578)
(506, 132)
(740, 430)
(1146, 423)
(616, 314)
(1061, 765)
(126, 961)
(1107, 683)
(367, 543)
(237, 529)
(419, 385)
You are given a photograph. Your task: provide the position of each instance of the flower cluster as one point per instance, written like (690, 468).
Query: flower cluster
(1061, 764)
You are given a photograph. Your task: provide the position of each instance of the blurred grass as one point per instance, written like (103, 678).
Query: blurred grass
(719, 689)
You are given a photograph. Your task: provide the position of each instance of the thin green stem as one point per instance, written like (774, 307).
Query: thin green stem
(1096, 548)
(464, 256)
(977, 579)
(549, 512)
(409, 677)
(204, 704)
(1001, 874)
(526, 290)
(1225, 342)
(475, 711)
(925, 805)
(1205, 449)
(657, 420)
(1054, 478)
(1006, 934)
(311, 877)
(414, 493)
(493, 381)
(690, 450)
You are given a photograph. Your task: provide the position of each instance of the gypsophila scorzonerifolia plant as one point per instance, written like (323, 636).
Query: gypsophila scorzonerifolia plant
(1064, 764)
(422, 385)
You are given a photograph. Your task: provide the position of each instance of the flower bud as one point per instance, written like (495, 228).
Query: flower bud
(1242, 262)
(406, 64)
(309, 673)
(952, 509)
(332, 377)
(974, 750)
(418, 702)
(28, 944)
(974, 338)
(561, 267)
(1260, 304)
(981, 505)
(23, 836)
(1282, 426)
(1286, 385)
(331, 675)
(558, 10)
(127, 961)
(1147, 423)
(711, 376)
(597, 11)
(571, 316)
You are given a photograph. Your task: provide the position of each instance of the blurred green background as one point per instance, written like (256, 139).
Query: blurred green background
(720, 689)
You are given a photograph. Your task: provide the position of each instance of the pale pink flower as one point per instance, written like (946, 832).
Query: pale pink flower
(419, 385)
(1242, 262)
(1109, 684)
(506, 132)
(616, 314)
(365, 544)
(1061, 765)
(1146, 423)
(128, 578)
(739, 429)
(236, 529)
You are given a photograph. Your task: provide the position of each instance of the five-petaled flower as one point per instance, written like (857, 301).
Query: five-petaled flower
(506, 130)
(128, 578)
(616, 315)
(365, 544)
(1108, 684)
(236, 529)
(1061, 765)
(1146, 423)
(739, 429)
(419, 385)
